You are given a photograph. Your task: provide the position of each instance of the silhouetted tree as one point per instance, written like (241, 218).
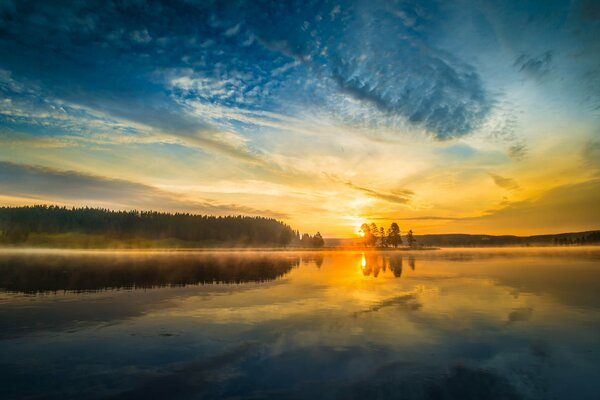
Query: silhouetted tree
(410, 239)
(317, 240)
(306, 240)
(394, 238)
(374, 234)
(382, 237)
(366, 231)
(285, 237)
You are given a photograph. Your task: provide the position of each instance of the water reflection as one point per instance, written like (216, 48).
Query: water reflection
(374, 264)
(327, 325)
(38, 272)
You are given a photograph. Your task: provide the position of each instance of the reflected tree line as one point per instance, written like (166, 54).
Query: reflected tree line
(373, 236)
(373, 265)
(39, 273)
(315, 258)
(43, 273)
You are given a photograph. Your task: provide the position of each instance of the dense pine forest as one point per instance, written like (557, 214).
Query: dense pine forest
(24, 224)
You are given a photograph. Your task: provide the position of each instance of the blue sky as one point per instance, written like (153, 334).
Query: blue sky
(447, 114)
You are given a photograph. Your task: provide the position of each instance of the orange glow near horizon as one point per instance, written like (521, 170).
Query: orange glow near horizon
(471, 156)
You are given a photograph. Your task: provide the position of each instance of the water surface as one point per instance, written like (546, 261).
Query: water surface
(448, 324)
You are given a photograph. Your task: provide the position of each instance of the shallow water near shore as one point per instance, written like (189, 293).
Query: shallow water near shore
(445, 324)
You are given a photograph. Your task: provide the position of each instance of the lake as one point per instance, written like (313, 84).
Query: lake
(445, 324)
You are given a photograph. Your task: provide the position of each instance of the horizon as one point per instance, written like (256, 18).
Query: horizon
(354, 236)
(479, 116)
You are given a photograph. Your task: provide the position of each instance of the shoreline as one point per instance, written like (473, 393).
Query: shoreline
(16, 250)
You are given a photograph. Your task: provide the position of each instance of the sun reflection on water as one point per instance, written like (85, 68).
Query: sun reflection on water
(446, 308)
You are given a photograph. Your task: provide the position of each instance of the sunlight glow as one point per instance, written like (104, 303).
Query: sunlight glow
(329, 157)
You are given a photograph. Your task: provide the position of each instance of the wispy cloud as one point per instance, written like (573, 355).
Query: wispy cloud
(536, 66)
(50, 184)
(566, 208)
(517, 151)
(400, 197)
(590, 155)
(385, 95)
(405, 75)
(429, 218)
(504, 182)
(403, 196)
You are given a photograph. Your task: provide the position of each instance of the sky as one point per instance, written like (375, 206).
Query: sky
(474, 116)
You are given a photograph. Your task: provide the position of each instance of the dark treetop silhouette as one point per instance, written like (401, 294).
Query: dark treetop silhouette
(18, 224)
(379, 237)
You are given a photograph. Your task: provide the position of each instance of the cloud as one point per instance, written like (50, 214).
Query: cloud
(279, 91)
(446, 99)
(51, 185)
(566, 208)
(108, 68)
(229, 144)
(391, 56)
(404, 74)
(400, 197)
(141, 36)
(62, 123)
(536, 66)
(555, 39)
(520, 314)
(590, 155)
(517, 151)
(403, 196)
(233, 30)
(428, 218)
(503, 182)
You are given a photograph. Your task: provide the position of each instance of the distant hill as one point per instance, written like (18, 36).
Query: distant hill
(466, 240)
(458, 239)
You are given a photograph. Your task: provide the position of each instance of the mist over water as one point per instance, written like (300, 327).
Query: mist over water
(449, 324)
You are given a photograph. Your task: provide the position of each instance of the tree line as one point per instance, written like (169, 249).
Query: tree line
(18, 223)
(373, 236)
(590, 238)
(307, 240)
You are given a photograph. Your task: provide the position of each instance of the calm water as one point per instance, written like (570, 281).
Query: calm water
(451, 324)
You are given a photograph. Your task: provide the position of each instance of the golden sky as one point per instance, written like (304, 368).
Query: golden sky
(477, 119)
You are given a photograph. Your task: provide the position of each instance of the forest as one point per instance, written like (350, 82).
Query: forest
(19, 225)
